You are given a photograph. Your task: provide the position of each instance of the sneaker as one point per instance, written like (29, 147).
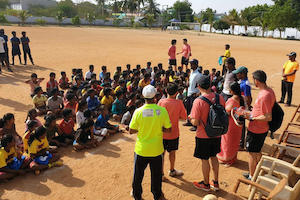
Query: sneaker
(201, 186)
(215, 185)
(247, 176)
(175, 173)
(187, 124)
(193, 128)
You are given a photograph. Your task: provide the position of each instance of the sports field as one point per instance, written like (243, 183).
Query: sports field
(105, 173)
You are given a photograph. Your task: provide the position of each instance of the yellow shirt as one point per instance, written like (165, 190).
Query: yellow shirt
(6, 157)
(142, 83)
(25, 141)
(37, 146)
(117, 88)
(289, 67)
(107, 101)
(227, 54)
(39, 101)
(149, 120)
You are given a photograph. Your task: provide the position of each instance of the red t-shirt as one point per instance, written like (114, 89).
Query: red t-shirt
(186, 51)
(172, 52)
(67, 127)
(52, 85)
(263, 105)
(200, 112)
(176, 111)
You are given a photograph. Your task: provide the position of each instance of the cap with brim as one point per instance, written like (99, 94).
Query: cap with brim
(204, 81)
(149, 92)
(241, 69)
(292, 54)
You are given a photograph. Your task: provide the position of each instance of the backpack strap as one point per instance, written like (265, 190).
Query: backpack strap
(217, 98)
(206, 100)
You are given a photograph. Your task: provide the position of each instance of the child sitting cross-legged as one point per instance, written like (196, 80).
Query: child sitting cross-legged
(67, 127)
(30, 128)
(102, 121)
(53, 131)
(118, 107)
(31, 116)
(64, 81)
(39, 101)
(84, 136)
(38, 150)
(93, 102)
(127, 117)
(55, 103)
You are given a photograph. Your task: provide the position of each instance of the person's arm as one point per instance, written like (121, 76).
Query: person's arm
(249, 100)
(132, 131)
(266, 118)
(28, 81)
(195, 122)
(290, 74)
(167, 130)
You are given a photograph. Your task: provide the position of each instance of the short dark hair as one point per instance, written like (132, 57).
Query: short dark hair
(62, 73)
(103, 68)
(260, 75)
(91, 67)
(231, 61)
(66, 112)
(34, 75)
(227, 46)
(185, 39)
(52, 74)
(37, 89)
(172, 88)
(119, 93)
(147, 75)
(173, 42)
(149, 63)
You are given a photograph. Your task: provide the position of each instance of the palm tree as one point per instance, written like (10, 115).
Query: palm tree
(152, 8)
(90, 18)
(200, 19)
(232, 18)
(150, 19)
(101, 4)
(246, 18)
(23, 16)
(59, 17)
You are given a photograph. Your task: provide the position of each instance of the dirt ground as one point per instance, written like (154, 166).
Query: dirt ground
(105, 173)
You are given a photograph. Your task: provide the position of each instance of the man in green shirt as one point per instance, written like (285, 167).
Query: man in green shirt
(149, 122)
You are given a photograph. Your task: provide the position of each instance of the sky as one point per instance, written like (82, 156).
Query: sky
(220, 5)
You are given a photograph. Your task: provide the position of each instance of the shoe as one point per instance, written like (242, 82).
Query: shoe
(280, 101)
(201, 186)
(175, 173)
(287, 105)
(187, 124)
(9, 69)
(193, 128)
(272, 135)
(215, 185)
(247, 176)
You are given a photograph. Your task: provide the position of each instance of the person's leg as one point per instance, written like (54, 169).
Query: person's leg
(215, 167)
(252, 163)
(156, 176)
(242, 141)
(163, 163)
(140, 164)
(13, 60)
(205, 170)
(30, 57)
(289, 92)
(172, 157)
(20, 58)
(283, 91)
(25, 57)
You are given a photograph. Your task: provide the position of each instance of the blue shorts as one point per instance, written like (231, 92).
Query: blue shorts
(16, 163)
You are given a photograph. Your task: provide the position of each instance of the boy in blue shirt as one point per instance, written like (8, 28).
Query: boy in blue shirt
(118, 107)
(102, 121)
(93, 102)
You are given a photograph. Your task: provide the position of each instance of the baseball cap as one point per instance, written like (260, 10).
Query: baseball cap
(149, 92)
(241, 69)
(204, 82)
(292, 54)
(194, 61)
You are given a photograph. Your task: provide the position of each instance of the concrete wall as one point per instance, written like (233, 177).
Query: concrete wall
(25, 4)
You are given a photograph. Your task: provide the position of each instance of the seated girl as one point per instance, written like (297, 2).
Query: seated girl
(12, 163)
(84, 137)
(39, 101)
(31, 126)
(53, 131)
(38, 150)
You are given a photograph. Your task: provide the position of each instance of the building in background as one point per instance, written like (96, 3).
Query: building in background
(25, 4)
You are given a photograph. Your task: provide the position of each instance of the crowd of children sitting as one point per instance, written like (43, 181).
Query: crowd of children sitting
(86, 103)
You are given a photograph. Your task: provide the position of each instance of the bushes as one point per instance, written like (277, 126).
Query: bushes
(3, 18)
(41, 22)
(117, 22)
(76, 21)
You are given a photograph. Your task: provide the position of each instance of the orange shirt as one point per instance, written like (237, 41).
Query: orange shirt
(186, 51)
(67, 127)
(263, 105)
(289, 67)
(176, 111)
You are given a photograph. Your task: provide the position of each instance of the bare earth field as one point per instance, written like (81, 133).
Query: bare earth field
(105, 173)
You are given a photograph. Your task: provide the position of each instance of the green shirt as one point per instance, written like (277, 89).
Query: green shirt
(149, 121)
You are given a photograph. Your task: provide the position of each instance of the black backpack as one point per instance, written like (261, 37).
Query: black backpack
(217, 120)
(277, 118)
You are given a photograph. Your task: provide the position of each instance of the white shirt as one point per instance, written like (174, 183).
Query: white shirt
(2, 42)
(88, 75)
(229, 78)
(79, 118)
(194, 78)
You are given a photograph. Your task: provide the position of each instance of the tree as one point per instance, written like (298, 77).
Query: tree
(90, 18)
(85, 8)
(67, 7)
(183, 11)
(3, 4)
(246, 17)
(23, 16)
(150, 19)
(59, 17)
(221, 25)
(101, 4)
(151, 7)
(76, 20)
(232, 18)
(262, 18)
(209, 17)
(200, 18)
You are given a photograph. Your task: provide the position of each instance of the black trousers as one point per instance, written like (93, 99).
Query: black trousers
(286, 87)
(140, 164)
(27, 52)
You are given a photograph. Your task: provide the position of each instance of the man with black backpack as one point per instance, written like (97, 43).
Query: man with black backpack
(259, 117)
(209, 115)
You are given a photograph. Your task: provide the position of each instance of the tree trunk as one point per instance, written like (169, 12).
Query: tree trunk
(200, 27)
(246, 29)
(280, 33)
(232, 29)
(210, 28)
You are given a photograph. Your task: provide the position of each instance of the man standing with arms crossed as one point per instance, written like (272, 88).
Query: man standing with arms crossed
(186, 53)
(288, 77)
(149, 122)
(26, 49)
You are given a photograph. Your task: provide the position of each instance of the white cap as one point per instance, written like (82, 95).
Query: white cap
(149, 92)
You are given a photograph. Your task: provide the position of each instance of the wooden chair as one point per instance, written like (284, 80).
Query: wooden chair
(275, 184)
(285, 136)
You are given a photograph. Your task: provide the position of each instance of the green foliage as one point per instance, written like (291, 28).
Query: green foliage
(23, 16)
(151, 8)
(131, 21)
(67, 7)
(39, 11)
(246, 17)
(117, 22)
(59, 17)
(4, 4)
(85, 8)
(3, 18)
(90, 18)
(75, 20)
(232, 18)
(41, 22)
(150, 19)
(221, 25)
(183, 11)
(136, 25)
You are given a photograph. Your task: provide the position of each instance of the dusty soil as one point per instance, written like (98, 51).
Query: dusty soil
(105, 173)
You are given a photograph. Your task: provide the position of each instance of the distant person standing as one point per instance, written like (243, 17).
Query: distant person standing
(186, 53)
(149, 122)
(3, 57)
(172, 54)
(288, 77)
(26, 49)
(2, 34)
(226, 55)
(15, 46)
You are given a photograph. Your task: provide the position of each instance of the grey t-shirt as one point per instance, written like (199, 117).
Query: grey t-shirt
(126, 118)
(229, 78)
(52, 104)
